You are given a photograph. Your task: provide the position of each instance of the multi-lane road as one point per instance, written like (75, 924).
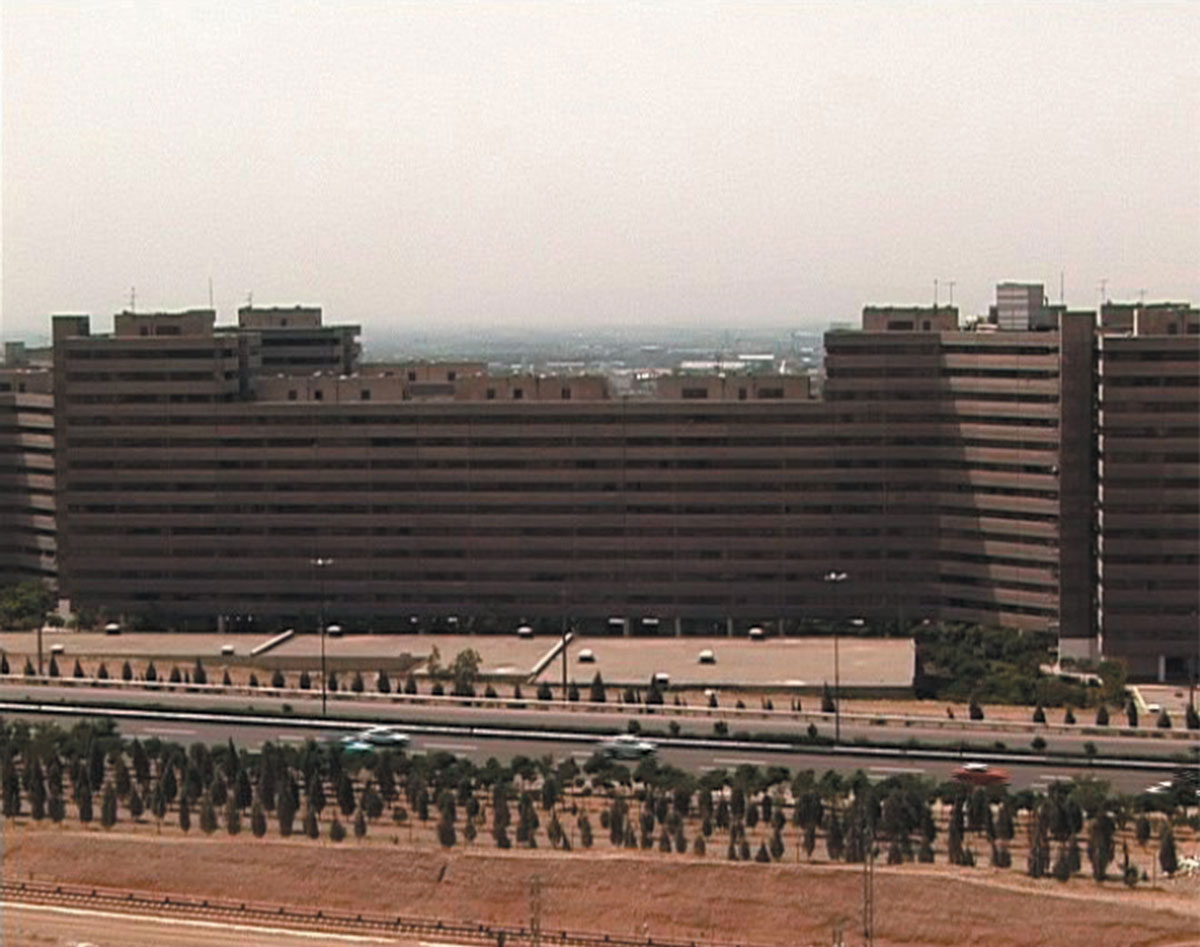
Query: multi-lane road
(479, 733)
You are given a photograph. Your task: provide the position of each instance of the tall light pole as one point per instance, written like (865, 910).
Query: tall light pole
(836, 579)
(321, 564)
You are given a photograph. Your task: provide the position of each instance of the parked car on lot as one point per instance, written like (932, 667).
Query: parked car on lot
(625, 746)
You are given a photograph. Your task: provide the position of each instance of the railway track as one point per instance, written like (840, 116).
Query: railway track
(113, 900)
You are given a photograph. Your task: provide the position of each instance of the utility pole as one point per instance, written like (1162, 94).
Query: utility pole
(321, 564)
(869, 893)
(836, 578)
(563, 631)
(535, 911)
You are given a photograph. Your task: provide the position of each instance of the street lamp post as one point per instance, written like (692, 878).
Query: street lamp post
(836, 579)
(321, 564)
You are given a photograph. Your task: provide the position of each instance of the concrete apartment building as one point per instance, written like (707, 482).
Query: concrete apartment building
(27, 512)
(1006, 477)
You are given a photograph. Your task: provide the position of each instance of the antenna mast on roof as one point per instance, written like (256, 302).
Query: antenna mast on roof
(1103, 291)
(1062, 276)
(951, 283)
(210, 293)
(935, 294)
(133, 299)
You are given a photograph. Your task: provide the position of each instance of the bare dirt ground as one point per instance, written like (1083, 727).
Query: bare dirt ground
(621, 892)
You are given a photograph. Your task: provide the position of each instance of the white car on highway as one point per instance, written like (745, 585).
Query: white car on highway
(626, 746)
(378, 737)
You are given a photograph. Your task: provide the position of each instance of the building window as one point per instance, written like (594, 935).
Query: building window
(412, 376)
(451, 375)
(144, 330)
(518, 394)
(318, 395)
(292, 394)
(566, 394)
(925, 325)
(283, 323)
(491, 394)
(365, 394)
(741, 394)
(694, 393)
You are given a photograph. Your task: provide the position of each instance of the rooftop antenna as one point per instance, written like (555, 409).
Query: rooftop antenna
(1103, 291)
(210, 294)
(250, 299)
(951, 283)
(1062, 276)
(935, 294)
(1141, 297)
(133, 299)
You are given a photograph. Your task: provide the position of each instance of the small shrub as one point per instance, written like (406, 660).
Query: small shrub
(337, 831)
(1102, 716)
(1069, 716)
(1164, 720)
(305, 682)
(721, 728)
(974, 711)
(278, 681)
(1039, 714)
(1038, 744)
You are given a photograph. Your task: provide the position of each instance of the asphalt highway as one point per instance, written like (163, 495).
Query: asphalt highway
(479, 743)
(929, 732)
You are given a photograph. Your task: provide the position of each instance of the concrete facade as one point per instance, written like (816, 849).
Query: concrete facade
(976, 476)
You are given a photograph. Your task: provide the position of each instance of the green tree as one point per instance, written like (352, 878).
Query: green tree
(465, 672)
(108, 807)
(311, 827)
(136, 805)
(83, 802)
(337, 831)
(345, 795)
(1168, 858)
(597, 694)
(208, 815)
(233, 817)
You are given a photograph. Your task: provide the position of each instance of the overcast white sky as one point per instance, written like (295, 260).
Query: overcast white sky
(573, 164)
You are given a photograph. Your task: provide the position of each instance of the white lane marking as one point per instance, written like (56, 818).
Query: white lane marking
(730, 761)
(582, 754)
(452, 747)
(1055, 777)
(290, 738)
(194, 922)
(1037, 785)
(896, 769)
(171, 731)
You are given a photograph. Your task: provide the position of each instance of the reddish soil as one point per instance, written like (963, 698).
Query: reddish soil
(620, 893)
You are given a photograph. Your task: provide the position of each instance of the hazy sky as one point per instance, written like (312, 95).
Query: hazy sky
(572, 164)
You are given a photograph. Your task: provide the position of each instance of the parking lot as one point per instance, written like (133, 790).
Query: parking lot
(875, 664)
